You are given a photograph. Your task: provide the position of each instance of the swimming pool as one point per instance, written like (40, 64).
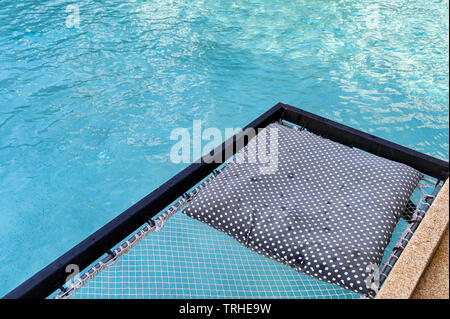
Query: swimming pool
(86, 112)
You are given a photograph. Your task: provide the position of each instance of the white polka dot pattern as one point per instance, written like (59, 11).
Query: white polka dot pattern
(328, 211)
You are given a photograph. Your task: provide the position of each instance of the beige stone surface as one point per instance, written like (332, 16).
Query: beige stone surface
(434, 282)
(412, 263)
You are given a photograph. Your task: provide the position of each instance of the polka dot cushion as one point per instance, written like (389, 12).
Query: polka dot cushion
(328, 210)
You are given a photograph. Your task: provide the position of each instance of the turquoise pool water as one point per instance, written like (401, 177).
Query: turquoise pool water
(86, 112)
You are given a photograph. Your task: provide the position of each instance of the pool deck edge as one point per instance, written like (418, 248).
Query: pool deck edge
(413, 262)
(434, 282)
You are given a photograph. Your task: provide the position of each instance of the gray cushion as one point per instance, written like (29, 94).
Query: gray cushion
(328, 210)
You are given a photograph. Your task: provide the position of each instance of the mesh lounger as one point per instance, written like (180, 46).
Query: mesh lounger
(331, 212)
(326, 210)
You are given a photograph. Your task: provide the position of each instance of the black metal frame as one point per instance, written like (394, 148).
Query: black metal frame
(49, 279)
(391, 261)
